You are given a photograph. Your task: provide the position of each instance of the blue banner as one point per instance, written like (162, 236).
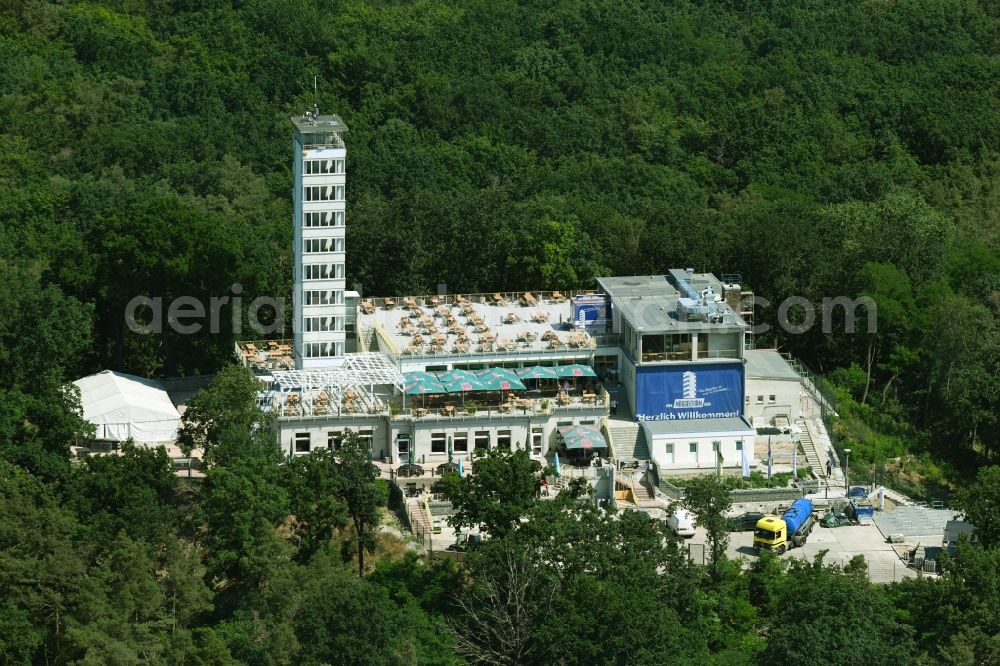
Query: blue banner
(590, 311)
(695, 391)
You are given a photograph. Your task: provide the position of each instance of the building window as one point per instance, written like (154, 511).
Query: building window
(716, 446)
(311, 245)
(367, 438)
(536, 441)
(771, 399)
(319, 245)
(324, 271)
(747, 399)
(313, 324)
(461, 442)
(318, 271)
(314, 297)
(333, 439)
(739, 446)
(673, 347)
(438, 442)
(323, 218)
(322, 167)
(302, 442)
(323, 349)
(760, 400)
(483, 439)
(402, 444)
(323, 193)
(503, 439)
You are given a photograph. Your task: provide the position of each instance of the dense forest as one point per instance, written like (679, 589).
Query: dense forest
(271, 562)
(817, 149)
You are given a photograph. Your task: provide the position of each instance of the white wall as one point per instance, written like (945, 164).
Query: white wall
(759, 403)
(319, 430)
(420, 432)
(683, 460)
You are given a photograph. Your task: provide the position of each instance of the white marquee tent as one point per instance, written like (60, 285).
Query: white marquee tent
(123, 406)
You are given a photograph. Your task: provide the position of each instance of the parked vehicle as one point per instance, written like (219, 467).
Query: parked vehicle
(788, 531)
(746, 521)
(681, 522)
(861, 510)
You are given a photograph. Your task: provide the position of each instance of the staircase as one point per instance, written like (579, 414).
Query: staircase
(367, 341)
(644, 495)
(628, 439)
(420, 522)
(812, 455)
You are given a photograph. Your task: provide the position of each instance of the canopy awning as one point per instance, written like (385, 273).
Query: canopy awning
(537, 372)
(463, 385)
(582, 437)
(501, 383)
(575, 370)
(418, 384)
(497, 373)
(457, 375)
(410, 469)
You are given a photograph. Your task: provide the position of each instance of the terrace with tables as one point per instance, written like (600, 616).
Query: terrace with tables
(476, 324)
(364, 385)
(263, 356)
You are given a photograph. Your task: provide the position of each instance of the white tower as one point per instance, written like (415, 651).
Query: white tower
(318, 201)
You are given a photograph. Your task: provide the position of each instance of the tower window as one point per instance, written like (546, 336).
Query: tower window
(313, 245)
(323, 193)
(326, 218)
(323, 271)
(323, 167)
(314, 297)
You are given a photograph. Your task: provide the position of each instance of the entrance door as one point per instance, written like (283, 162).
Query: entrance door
(402, 447)
(669, 451)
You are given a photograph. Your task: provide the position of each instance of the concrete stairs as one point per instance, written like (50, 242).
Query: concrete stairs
(420, 522)
(644, 495)
(813, 458)
(628, 440)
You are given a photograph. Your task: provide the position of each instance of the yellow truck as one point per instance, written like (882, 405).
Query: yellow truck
(790, 530)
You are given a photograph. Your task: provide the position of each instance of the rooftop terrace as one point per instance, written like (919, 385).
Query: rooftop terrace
(475, 324)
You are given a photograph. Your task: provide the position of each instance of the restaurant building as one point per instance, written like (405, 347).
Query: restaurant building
(660, 359)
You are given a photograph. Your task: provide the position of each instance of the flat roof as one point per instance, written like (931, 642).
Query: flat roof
(650, 302)
(308, 124)
(675, 428)
(768, 364)
(636, 285)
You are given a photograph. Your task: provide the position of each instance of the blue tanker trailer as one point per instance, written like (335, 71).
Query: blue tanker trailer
(788, 531)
